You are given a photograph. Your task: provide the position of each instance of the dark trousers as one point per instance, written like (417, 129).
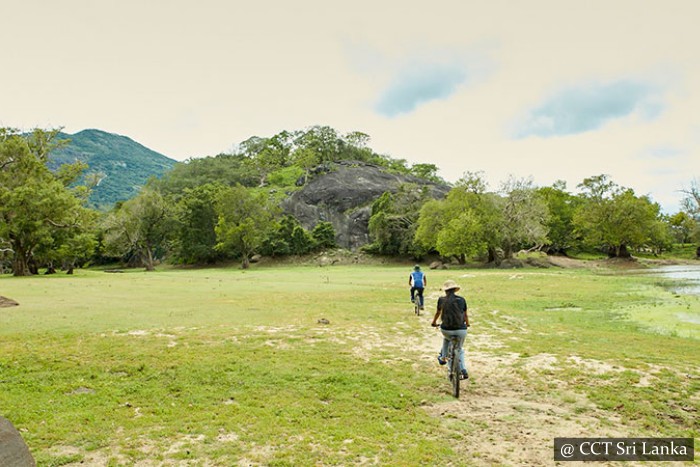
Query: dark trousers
(420, 294)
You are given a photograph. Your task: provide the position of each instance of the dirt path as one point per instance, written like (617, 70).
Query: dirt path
(500, 419)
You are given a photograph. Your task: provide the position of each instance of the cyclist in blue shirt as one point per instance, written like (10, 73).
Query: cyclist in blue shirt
(417, 281)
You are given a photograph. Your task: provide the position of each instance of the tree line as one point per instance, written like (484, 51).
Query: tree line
(472, 222)
(227, 207)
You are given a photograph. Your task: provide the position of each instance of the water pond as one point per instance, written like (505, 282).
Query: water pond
(686, 278)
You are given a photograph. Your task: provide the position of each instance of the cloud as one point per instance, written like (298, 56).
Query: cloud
(663, 152)
(419, 84)
(588, 108)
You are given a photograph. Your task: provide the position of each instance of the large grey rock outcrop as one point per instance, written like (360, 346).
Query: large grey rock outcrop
(342, 194)
(13, 450)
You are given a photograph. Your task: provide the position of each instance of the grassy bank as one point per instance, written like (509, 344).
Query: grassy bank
(222, 366)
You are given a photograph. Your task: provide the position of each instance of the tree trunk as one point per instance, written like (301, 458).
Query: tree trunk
(493, 256)
(619, 251)
(20, 263)
(246, 262)
(149, 260)
(20, 267)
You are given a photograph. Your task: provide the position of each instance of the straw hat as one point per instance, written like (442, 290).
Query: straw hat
(450, 285)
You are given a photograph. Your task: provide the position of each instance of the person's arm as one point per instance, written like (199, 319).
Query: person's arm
(435, 318)
(437, 313)
(466, 315)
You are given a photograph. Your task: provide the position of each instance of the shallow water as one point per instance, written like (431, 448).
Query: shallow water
(687, 275)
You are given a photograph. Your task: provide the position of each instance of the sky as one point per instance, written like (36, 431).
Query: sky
(541, 89)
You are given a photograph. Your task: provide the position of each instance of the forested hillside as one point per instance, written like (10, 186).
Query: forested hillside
(117, 166)
(296, 193)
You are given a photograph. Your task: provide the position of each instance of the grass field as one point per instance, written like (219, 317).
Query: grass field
(230, 367)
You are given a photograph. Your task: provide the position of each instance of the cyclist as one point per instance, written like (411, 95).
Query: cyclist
(455, 321)
(417, 280)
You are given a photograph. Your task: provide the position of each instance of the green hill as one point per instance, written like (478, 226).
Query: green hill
(123, 164)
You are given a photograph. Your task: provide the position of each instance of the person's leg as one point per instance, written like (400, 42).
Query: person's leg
(413, 294)
(445, 343)
(420, 296)
(462, 334)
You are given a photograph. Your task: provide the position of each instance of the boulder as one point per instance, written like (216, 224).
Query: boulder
(7, 302)
(342, 193)
(13, 450)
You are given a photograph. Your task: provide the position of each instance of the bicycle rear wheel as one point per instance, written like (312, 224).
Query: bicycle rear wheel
(455, 370)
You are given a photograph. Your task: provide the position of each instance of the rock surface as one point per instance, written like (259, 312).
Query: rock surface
(342, 194)
(13, 450)
(7, 302)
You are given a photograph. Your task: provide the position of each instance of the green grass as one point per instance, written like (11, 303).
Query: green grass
(221, 365)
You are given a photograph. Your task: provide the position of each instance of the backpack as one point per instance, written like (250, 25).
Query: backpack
(417, 279)
(453, 312)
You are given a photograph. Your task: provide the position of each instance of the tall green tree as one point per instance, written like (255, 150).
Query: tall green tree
(683, 226)
(245, 219)
(613, 218)
(466, 223)
(141, 227)
(195, 232)
(38, 210)
(561, 205)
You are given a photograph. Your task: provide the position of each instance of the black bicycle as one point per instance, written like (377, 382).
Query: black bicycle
(418, 302)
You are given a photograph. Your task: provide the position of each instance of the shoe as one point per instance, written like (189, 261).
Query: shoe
(442, 360)
(413, 300)
(465, 375)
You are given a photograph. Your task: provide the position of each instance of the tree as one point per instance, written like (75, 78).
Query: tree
(525, 216)
(140, 227)
(323, 141)
(683, 225)
(426, 172)
(323, 234)
(466, 223)
(462, 237)
(267, 154)
(75, 249)
(392, 224)
(613, 218)
(37, 207)
(244, 221)
(691, 202)
(195, 231)
(301, 241)
(561, 205)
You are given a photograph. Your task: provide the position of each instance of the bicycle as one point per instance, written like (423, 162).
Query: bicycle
(417, 306)
(418, 302)
(453, 369)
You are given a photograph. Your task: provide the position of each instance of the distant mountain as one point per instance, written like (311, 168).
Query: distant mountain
(123, 164)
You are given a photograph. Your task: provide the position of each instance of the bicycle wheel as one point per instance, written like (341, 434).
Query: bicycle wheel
(417, 307)
(455, 370)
